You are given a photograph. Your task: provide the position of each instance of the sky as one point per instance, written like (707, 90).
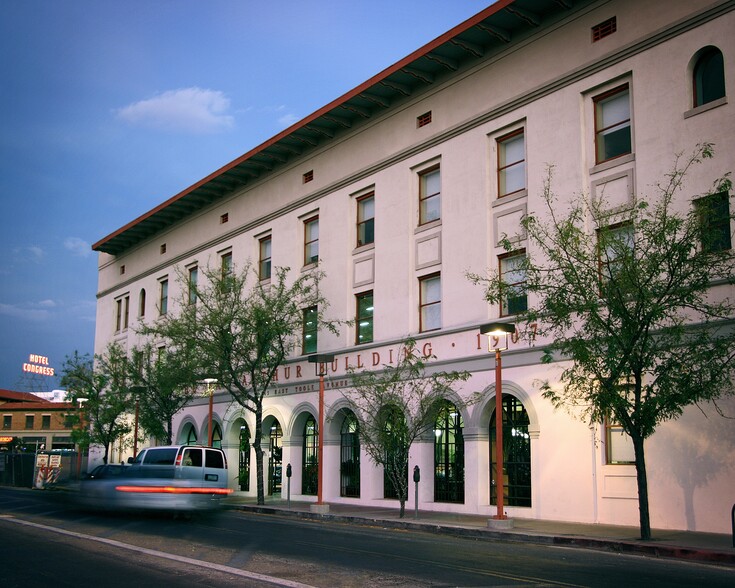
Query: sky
(108, 108)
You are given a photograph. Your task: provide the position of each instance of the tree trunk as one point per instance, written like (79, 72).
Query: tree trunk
(642, 480)
(259, 453)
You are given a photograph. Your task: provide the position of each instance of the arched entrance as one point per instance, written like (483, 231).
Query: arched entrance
(276, 457)
(448, 455)
(243, 472)
(310, 458)
(349, 466)
(516, 454)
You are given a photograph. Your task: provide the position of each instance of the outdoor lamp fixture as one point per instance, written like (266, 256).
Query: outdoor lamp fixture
(497, 339)
(321, 360)
(81, 402)
(210, 382)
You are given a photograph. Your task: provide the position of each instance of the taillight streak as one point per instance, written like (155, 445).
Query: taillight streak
(172, 490)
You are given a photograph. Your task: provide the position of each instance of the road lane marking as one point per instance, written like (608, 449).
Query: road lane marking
(170, 556)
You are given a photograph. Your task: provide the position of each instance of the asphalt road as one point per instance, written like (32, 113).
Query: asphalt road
(48, 541)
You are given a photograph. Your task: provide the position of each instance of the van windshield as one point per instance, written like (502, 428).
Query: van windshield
(165, 456)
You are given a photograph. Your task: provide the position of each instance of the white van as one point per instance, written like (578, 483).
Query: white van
(177, 477)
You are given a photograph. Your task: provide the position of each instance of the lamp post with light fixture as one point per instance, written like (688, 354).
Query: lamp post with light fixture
(497, 339)
(210, 382)
(321, 361)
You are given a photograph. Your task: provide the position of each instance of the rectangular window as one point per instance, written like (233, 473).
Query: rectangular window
(423, 120)
(118, 315)
(714, 222)
(29, 421)
(430, 303)
(513, 277)
(612, 124)
(618, 444)
(163, 248)
(311, 240)
(226, 268)
(364, 317)
(7, 421)
(126, 311)
(310, 328)
(193, 280)
(46, 421)
(264, 263)
(429, 196)
(366, 220)
(224, 217)
(163, 297)
(308, 176)
(511, 163)
(614, 246)
(605, 28)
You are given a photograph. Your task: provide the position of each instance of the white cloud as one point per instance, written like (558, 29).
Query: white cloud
(287, 120)
(47, 303)
(31, 254)
(78, 246)
(193, 110)
(23, 312)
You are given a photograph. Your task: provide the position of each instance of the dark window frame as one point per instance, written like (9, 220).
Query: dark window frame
(600, 132)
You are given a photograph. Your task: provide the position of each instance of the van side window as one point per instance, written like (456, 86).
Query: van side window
(160, 456)
(215, 459)
(192, 457)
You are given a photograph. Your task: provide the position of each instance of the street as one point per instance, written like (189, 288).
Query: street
(49, 541)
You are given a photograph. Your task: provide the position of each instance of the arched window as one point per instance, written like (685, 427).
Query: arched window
(516, 454)
(243, 474)
(708, 76)
(141, 303)
(191, 436)
(448, 455)
(396, 461)
(310, 475)
(275, 459)
(217, 436)
(349, 467)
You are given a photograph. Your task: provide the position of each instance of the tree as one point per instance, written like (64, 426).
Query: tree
(395, 407)
(640, 307)
(242, 333)
(163, 382)
(103, 382)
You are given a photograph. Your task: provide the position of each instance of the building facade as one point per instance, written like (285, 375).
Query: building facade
(31, 423)
(400, 187)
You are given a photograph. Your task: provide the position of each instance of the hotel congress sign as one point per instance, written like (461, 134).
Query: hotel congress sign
(38, 364)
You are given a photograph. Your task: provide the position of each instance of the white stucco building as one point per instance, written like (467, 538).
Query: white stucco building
(407, 182)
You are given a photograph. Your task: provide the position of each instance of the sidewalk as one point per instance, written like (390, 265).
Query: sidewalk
(703, 547)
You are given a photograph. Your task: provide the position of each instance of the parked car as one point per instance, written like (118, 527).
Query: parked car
(179, 477)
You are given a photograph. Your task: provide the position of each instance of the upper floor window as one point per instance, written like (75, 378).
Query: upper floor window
(45, 421)
(126, 311)
(366, 220)
(614, 244)
(618, 444)
(605, 28)
(141, 303)
(714, 221)
(513, 277)
(709, 76)
(118, 314)
(29, 421)
(193, 280)
(163, 297)
(429, 196)
(423, 119)
(364, 317)
(311, 240)
(430, 303)
(7, 421)
(264, 260)
(310, 329)
(612, 124)
(511, 163)
(226, 264)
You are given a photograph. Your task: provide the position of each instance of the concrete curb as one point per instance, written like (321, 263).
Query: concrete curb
(649, 549)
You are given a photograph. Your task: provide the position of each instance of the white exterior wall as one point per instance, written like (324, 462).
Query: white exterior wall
(546, 85)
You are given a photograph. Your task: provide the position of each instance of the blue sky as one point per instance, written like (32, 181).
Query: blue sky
(108, 108)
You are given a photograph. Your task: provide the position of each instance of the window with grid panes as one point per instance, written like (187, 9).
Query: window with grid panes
(365, 220)
(430, 303)
(264, 262)
(310, 330)
(511, 163)
(513, 277)
(364, 317)
(612, 124)
(429, 196)
(311, 240)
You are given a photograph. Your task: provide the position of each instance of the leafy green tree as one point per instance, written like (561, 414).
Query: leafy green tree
(163, 381)
(637, 301)
(103, 382)
(241, 330)
(396, 406)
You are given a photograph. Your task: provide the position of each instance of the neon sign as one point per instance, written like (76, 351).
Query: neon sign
(38, 364)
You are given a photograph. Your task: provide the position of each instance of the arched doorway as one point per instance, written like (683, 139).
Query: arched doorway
(394, 426)
(189, 435)
(448, 455)
(516, 454)
(276, 456)
(217, 436)
(243, 473)
(349, 466)
(310, 458)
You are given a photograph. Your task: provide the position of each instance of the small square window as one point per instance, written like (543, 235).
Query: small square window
(605, 28)
(163, 248)
(423, 120)
(122, 270)
(224, 218)
(308, 176)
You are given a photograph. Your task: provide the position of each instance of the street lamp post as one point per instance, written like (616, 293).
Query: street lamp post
(321, 361)
(210, 382)
(497, 339)
(80, 402)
